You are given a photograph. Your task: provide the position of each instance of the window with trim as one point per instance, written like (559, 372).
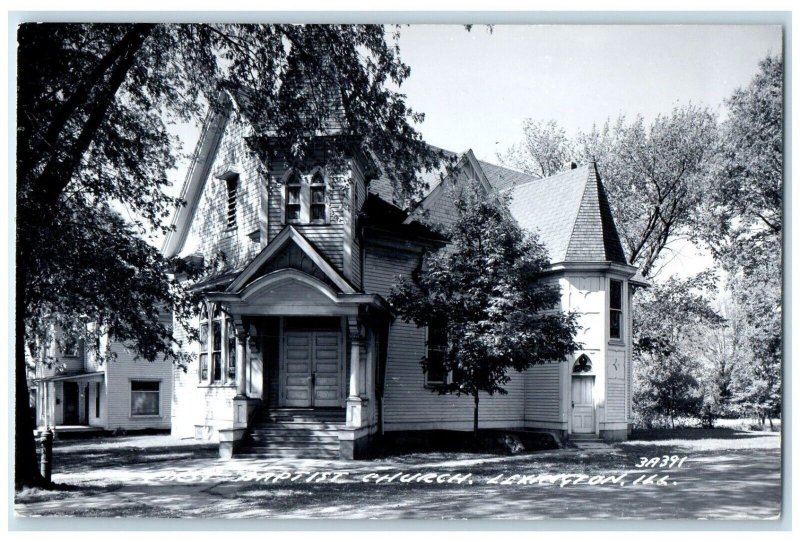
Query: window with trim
(217, 349)
(145, 397)
(436, 341)
(615, 309)
(293, 206)
(233, 191)
(318, 207)
(70, 347)
(306, 199)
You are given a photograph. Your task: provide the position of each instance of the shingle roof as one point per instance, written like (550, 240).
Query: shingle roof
(502, 178)
(382, 187)
(571, 214)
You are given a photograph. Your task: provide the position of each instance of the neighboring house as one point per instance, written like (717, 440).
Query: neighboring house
(295, 327)
(74, 392)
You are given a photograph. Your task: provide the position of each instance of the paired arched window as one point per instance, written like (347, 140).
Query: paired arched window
(217, 346)
(306, 200)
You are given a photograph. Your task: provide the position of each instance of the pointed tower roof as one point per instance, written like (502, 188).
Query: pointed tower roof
(594, 235)
(571, 214)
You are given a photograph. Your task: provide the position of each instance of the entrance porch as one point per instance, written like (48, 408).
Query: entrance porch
(300, 344)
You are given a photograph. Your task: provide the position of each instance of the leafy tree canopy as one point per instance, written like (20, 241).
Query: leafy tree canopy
(487, 290)
(94, 106)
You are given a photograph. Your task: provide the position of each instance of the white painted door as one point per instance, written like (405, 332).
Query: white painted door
(582, 404)
(312, 369)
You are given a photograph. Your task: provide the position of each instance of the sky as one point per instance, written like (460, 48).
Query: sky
(476, 87)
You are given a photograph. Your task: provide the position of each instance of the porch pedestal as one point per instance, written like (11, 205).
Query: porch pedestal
(354, 413)
(229, 440)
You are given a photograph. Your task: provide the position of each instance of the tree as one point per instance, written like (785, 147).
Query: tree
(744, 227)
(655, 176)
(670, 318)
(93, 110)
(545, 151)
(486, 290)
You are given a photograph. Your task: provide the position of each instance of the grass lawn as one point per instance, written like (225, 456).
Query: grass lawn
(727, 474)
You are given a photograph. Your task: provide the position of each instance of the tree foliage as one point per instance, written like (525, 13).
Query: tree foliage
(669, 321)
(744, 227)
(655, 173)
(95, 102)
(487, 290)
(546, 149)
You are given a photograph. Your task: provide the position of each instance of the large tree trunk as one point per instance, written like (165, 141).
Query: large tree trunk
(26, 472)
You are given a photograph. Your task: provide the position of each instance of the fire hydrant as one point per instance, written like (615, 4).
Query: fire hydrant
(46, 461)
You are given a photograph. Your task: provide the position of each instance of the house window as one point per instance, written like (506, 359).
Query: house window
(231, 375)
(318, 210)
(203, 343)
(233, 189)
(435, 373)
(293, 205)
(216, 344)
(615, 309)
(145, 397)
(97, 399)
(70, 347)
(217, 352)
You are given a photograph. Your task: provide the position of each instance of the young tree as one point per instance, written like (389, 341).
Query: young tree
(487, 291)
(94, 102)
(670, 319)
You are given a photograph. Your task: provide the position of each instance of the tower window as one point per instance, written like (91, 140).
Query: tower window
(293, 205)
(317, 198)
(615, 309)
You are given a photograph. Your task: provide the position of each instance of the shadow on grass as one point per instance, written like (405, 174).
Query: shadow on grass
(487, 442)
(692, 433)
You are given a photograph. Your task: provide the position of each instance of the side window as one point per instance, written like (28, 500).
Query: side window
(203, 343)
(435, 373)
(615, 309)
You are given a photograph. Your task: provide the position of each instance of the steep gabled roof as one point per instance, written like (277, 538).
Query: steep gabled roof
(571, 214)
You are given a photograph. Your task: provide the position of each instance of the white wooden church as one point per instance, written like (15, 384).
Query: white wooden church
(299, 349)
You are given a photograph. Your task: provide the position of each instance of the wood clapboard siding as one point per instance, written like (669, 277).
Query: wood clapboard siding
(616, 408)
(119, 374)
(209, 227)
(407, 403)
(328, 239)
(543, 393)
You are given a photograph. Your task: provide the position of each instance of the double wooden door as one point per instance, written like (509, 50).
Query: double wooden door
(312, 369)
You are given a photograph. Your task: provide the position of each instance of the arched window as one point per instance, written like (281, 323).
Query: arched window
(216, 343)
(318, 210)
(293, 204)
(582, 365)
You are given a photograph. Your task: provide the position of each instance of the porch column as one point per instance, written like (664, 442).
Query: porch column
(241, 354)
(354, 400)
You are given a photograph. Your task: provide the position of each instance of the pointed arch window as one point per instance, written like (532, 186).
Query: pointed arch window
(306, 198)
(294, 206)
(318, 206)
(582, 365)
